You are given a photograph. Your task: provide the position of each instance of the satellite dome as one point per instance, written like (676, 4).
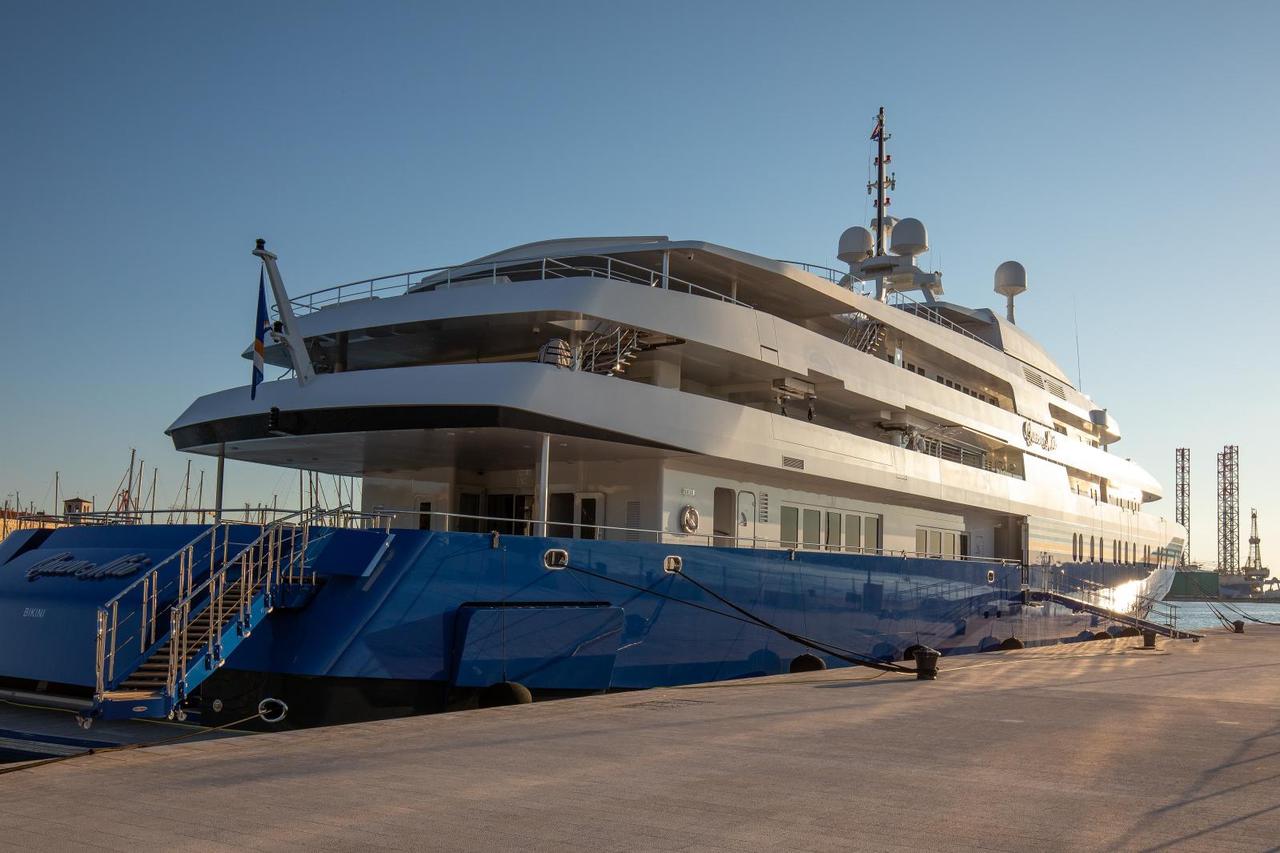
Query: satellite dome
(856, 244)
(889, 223)
(1011, 278)
(910, 238)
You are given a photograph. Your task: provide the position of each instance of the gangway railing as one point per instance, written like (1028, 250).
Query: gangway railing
(178, 631)
(135, 609)
(1121, 617)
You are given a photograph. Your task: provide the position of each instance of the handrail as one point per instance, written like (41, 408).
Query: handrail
(137, 516)
(919, 309)
(708, 537)
(835, 276)
(212, 528)
(899, 299)
(266, 531)
(259, 563)
(369, 288)
(266, 568)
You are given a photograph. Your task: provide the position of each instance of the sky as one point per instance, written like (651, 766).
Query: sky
(1125, 153)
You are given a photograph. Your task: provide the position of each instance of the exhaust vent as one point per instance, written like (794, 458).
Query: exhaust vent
(793, 462)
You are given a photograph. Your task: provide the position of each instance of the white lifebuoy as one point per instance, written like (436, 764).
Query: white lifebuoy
(689, 519)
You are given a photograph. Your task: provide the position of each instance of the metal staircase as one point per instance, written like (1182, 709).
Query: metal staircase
(610, 350)
(148, 661)
(866, 334)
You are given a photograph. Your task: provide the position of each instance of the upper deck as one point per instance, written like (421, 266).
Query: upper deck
(936, 377)
(795, 291)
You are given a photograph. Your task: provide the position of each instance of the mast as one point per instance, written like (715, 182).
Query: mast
(881, 183)
(289, 334)
(128, 492)
(880, 207)
(186, 492)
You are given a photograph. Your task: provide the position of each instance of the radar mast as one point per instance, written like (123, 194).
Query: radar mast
(881, 183)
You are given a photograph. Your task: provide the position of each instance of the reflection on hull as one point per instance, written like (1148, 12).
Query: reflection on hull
(458, 609)
(418, 620)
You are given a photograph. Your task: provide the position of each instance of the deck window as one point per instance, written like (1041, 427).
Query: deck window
(790, 526)
(812, 528)
(853, 533)
(833, 531)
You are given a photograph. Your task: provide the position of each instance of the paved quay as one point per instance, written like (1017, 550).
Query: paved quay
(1080, 747)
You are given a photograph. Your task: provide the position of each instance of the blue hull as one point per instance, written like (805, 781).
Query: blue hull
(465, 610)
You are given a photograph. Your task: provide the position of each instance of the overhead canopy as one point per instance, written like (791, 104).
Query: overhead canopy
(779, 288)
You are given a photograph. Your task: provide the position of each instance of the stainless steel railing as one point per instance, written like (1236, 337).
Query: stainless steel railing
(141, 599)
(532, 268)
(453, 521)
(277, 555)
(835, 276)
(129, 623)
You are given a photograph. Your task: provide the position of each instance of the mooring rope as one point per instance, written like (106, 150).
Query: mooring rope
(1228, 605)
(259, 714)
(847, 655)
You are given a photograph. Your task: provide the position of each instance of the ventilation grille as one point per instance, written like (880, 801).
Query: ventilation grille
(763, 509)
(792, 462)
(633, 521)
(1054, 388)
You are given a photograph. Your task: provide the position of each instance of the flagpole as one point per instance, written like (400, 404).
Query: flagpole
(303, 370)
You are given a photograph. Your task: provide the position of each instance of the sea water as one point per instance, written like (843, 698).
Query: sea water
(1196, 615)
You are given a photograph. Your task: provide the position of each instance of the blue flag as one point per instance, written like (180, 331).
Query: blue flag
(261, 330)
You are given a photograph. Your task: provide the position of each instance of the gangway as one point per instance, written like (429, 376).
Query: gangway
(149, 661)
(1082, 605)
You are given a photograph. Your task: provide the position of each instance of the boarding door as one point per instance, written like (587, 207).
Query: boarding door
(746, 519)
(588, 515)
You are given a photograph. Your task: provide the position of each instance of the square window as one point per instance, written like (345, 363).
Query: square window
(790, 526)
(812, 530)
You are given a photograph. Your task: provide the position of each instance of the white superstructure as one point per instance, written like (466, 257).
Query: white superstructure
(682, 388)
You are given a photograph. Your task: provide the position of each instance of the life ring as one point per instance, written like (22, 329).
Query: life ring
(689, 519)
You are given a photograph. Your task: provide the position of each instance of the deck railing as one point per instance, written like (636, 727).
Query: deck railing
(458, 522)
(506, 271)
(130, 622)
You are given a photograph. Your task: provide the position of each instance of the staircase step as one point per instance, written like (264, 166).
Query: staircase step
(127, 695)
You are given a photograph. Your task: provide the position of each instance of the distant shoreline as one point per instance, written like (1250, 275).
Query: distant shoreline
(1180, 599)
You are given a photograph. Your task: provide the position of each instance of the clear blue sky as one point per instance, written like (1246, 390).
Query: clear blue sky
(1125, 153)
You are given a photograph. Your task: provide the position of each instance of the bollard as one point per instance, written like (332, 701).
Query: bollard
(807, 663)
(926, 664)
(1238, 626)
(505, 693)
(1148, 639)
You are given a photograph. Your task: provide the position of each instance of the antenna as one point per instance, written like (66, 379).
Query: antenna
(881, 183)
(1075, 317)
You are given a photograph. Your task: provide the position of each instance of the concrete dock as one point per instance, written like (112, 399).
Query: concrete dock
(1091, 746)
